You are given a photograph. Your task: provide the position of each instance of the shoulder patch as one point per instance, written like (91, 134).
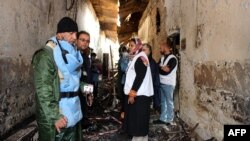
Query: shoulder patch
(51, 44)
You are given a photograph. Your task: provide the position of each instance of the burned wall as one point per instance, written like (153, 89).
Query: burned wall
(152, 26)
(217, 65)
(25, 26)
(224, 85)
(214, 62)
(214, 76)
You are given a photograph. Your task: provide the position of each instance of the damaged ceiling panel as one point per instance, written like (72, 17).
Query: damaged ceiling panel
(107, 13)
(130, 12)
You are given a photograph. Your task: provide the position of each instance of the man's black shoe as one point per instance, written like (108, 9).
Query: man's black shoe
(121, 131)
(158, 122)
(167, 123)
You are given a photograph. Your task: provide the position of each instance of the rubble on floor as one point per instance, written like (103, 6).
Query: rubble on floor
(107, 127)
(104, 124)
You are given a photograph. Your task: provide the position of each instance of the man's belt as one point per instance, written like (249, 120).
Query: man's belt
(68, 94)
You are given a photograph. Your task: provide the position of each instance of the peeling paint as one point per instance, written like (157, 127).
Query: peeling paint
(231, 77)
(228, 94)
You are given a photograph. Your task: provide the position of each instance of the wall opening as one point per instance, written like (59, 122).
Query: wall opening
(158, 21)
(175, 38)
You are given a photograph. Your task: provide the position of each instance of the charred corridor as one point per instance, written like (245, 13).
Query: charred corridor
(213, 47)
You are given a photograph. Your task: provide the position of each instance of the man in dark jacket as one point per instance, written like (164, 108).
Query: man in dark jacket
(83, 40)
(82, 43)
(54, 124)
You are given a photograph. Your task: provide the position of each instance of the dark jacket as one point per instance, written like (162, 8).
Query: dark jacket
(87, 68)
(156, 81)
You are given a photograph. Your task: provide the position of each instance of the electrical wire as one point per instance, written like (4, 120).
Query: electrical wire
(71, 5)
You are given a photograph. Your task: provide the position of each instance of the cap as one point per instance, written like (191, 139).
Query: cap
(66, 24)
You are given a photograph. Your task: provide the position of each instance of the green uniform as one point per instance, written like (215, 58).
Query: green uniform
(47, 98)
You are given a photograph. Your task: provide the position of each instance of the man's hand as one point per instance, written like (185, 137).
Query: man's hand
(166, 69)
(131, 100)
(89, 99)
(61, 123)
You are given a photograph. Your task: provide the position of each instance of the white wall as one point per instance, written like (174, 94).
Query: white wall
(88, 21)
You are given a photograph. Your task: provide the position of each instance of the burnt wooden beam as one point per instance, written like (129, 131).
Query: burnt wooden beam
(135, 8)
(108, 26)
(107, 19)
(131, 6)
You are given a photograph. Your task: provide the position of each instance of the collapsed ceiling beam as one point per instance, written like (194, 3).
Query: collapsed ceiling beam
(131, 7)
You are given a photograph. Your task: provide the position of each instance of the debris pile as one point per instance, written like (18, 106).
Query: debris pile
(105, 124)
(101, 128)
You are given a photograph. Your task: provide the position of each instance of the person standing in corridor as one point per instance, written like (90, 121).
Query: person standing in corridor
(155, 77)
(122, 68)
(138, 90)
(167, 69)
(82, 43)
(57, 75)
